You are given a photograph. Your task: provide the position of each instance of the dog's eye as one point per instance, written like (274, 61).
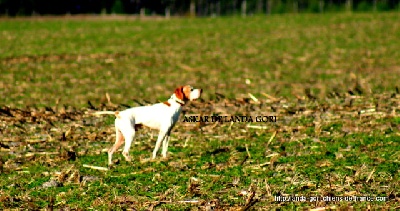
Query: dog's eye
(191, 89)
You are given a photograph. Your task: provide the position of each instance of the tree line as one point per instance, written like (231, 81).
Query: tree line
(189, 7)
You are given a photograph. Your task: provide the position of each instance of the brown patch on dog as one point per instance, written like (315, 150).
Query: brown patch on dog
(179, 93)
(186, 92)
(167, 103)
(183, 93)
(117, 114)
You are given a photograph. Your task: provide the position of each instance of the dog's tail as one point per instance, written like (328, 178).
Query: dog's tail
(116, 113)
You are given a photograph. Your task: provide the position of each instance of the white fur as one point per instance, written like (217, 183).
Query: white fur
(158, 116)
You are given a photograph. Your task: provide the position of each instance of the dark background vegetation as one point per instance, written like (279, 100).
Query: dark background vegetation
(189, 7)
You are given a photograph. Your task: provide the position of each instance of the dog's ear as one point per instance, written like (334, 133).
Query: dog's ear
(179, 93)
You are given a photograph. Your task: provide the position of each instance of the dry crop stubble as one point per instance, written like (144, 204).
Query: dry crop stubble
(220, 154)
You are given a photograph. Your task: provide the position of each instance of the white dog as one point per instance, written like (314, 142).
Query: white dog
(160, 116)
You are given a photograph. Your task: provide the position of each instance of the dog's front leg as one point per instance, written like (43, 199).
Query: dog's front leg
(160, 139)
(165, 146)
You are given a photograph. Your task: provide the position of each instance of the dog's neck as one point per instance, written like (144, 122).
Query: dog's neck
(175, 100)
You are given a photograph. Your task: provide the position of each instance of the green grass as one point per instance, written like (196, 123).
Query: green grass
(329, 72)
(294, 173)
(48, 60)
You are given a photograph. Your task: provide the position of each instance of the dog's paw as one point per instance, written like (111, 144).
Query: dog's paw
(127, 158)
(114, 162)
(111, 166)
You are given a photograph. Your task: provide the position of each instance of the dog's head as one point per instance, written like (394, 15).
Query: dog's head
(187, 93)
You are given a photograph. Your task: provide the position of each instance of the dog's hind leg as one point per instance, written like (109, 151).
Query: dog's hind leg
(128, 141)
(118, 142)
(125, 132)
(128, 130)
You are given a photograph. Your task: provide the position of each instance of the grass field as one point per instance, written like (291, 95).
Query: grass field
(331, 80)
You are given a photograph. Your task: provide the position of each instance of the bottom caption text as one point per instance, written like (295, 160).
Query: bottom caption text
(329, 198)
